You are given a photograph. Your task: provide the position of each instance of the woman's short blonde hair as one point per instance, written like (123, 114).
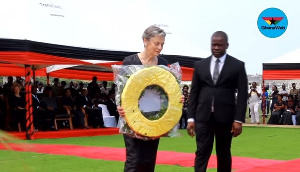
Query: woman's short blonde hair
(153, 31)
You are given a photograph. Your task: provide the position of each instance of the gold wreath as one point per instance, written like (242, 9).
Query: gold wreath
(130, 99)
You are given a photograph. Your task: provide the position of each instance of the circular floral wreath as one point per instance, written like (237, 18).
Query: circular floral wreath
(130, 98)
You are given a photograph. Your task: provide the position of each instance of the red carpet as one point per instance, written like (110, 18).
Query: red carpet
(240, 164)
(287, 166)
(64, 133)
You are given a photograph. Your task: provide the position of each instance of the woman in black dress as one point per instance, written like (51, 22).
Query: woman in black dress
(274, 97)
(17, 107)
(277, 112)
(183, 119)
(140, 153)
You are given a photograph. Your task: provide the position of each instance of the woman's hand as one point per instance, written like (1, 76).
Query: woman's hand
(121, 111)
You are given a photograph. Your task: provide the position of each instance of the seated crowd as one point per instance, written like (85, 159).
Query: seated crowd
(285, 112)
(285, 106)
(51, 102)
(81, 105)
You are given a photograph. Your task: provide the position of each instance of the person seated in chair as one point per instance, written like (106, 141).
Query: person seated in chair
(289, 112)
(43, 115)
(296, 117)
(95, 114)
(111, 105)
(69, 103)
(17, 107)
(277, 112)
(49, 99)
(40, 89)
(95, 105)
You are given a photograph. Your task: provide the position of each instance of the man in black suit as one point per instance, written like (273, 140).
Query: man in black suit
(95, 114)
(213, 111)
(43, 115)
(111, 105)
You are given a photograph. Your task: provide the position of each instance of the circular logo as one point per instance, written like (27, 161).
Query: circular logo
(272, 22)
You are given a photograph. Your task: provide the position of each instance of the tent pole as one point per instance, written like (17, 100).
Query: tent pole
(264, 102)
(48, 79)
(29, 115)
(33, 75)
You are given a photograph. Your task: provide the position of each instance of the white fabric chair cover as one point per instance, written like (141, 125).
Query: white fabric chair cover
(109, 121)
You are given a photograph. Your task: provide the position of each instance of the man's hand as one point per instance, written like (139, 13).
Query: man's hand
(191, 128)
(121, 111)
(236, 129)
(20, 108)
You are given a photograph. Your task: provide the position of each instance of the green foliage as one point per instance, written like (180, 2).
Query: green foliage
(163, 100)
(159, 114)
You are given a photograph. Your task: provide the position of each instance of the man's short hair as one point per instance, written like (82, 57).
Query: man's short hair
(220, 34)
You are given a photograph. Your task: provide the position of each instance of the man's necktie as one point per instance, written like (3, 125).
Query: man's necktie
(216, 71)
(215, 78)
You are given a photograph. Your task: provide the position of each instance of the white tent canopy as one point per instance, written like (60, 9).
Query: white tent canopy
(53, 68)
(291, 57)
(286, 67)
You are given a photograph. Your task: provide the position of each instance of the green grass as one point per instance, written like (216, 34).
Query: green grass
(268, 143)
(255, 142)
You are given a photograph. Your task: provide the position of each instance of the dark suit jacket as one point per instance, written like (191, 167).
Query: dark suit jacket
(111, 107)
(36, 103)
(81, 101)
(232, 77)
